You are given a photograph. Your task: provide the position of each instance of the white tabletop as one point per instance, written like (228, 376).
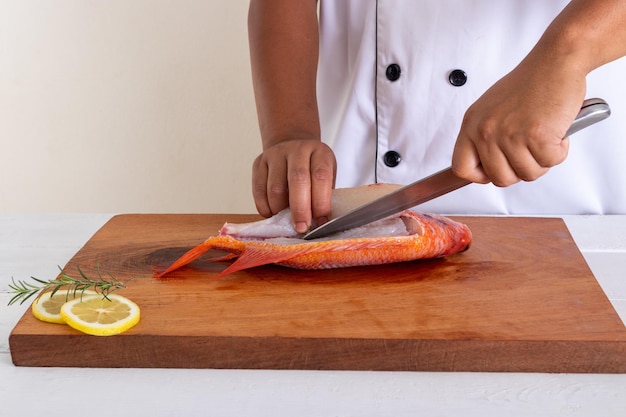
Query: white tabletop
(34, 244)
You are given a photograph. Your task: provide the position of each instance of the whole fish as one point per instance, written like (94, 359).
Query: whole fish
(406, 236)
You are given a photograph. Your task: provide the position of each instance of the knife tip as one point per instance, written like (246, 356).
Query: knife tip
(309, 235)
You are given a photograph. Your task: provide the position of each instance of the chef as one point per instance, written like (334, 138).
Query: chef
(364, 91)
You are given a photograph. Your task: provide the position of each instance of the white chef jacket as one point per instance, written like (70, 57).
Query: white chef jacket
(390, 111)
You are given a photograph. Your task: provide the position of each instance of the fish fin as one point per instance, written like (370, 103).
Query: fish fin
(225, 243)
(226, 257)
(264, 254)
(188, 257)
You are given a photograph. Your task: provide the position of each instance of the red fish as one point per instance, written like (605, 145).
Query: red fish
(406, 236)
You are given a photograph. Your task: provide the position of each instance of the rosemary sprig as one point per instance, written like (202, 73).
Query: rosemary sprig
(24, 290)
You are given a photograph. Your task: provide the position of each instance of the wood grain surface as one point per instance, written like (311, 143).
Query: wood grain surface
(521, 299)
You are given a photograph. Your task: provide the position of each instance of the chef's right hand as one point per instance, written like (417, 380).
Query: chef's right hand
(296, 173)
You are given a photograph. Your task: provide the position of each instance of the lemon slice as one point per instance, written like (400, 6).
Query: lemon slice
(100, 316)
(47, 307)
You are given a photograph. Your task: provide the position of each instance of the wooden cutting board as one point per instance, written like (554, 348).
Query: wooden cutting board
(522, 299)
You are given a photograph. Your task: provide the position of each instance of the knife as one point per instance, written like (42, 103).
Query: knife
(592, 111)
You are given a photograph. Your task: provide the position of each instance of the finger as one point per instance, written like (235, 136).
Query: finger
(497, 167)
(524, 167)
(299, 182)
(551, 154)
(486, 161)
(480, 159)
(530, 162)
(323, 168)
(259, 186)
(466, 162)
(277, 188)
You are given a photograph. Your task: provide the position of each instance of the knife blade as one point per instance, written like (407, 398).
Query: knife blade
(442, 182)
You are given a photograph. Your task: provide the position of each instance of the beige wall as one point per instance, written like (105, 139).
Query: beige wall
(125, 106)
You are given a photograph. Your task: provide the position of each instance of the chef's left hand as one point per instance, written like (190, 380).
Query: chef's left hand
(516, 130)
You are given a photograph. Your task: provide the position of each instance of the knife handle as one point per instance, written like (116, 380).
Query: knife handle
(592, 111)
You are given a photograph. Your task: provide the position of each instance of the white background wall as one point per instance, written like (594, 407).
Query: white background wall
(126, 106)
